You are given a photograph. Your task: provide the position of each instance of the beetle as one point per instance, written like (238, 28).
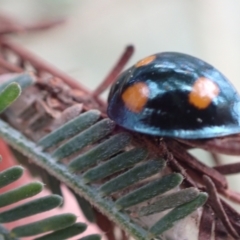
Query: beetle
(172, 94)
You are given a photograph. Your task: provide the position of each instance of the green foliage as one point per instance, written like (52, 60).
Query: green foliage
(83, 139)
(71, 128)
(150, 190)
(20, 193)
(107, 166)
(178, 213)
(100, 152)
(132, 176)
(99, 196)
(169, 201)
(31, 208)
(120, 162)
(54, 223)
(68, 232)
(9, 95)
(60, 226)
(10, 175)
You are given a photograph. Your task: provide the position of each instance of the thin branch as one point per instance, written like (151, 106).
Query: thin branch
(217, 206)
(111, 77)
(180, 153)
(226, 169)
(9, 66)
(11, 25)
(226, 145)
(206, 224)
(45, 25)
(233, 215)
(42, 65)
(230, 194)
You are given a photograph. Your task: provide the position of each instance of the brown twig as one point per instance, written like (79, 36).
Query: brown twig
(233, 215)
(177, 167)
(111, 77)
(40, 64)
(181, 154)
(220, 231)
(11, 25)
(217, 206)
(226, 169)
(206, 224)
(45, 25)
(230, 194)
(226, 145)
(9, 66)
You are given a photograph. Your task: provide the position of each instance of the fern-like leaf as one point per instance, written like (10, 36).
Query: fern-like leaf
(60, 226)
(100, 197)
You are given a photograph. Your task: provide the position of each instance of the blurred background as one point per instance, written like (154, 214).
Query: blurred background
(96, 32)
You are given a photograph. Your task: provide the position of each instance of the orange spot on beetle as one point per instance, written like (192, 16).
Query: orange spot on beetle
(145, 61)
(136, 96)
(203, 92)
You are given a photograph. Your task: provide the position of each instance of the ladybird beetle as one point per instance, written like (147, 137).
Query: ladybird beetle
(175, 95)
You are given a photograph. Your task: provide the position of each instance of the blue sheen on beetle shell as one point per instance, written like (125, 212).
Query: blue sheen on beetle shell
(168, 112)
